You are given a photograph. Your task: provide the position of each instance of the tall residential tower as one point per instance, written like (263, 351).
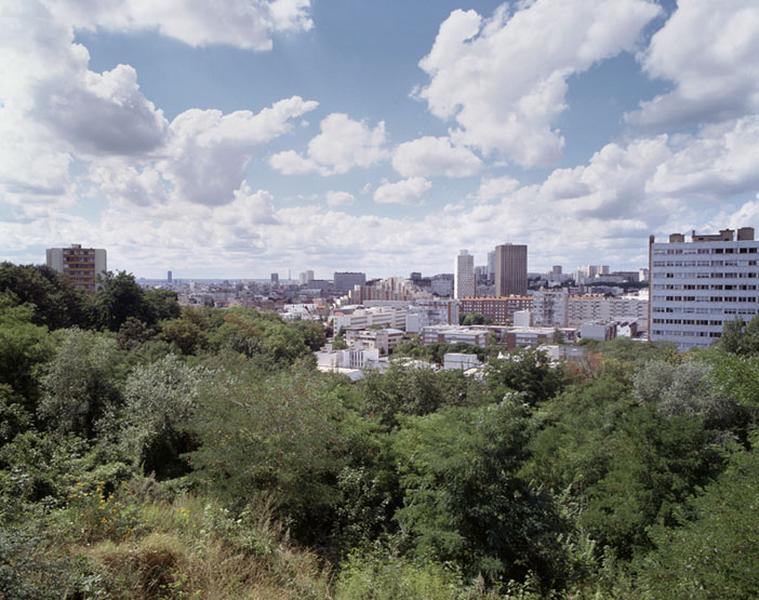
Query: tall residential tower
(82, 265)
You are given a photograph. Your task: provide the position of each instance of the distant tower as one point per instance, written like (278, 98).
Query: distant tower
(464, 278)
(511, 270)
(169, 277)
(275, 278)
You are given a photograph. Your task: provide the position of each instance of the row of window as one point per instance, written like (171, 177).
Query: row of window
(703, 311)
(670, 251)
(705, 263)
(752, 299)
(677, 333)
(704, 286)
(703, 275)
(688, 322)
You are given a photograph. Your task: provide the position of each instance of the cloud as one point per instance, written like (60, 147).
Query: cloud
(405, 191)
(341, 145)
(503, 80)
(335, 199)
(247, 24)
(708, 50)
(720, 159)
(45, 79)
(208, 152)
(430, 156)
(495, 187)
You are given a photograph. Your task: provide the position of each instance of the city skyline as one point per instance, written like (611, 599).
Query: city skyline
(377, 137)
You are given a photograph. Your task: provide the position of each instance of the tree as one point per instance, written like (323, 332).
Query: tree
(23, 348)
(685, 389)
(55, 300)
(474, 319)
(160, 400)
(276, 435)
(133, 333)
(118, 298)
(161, 304)
(739, 337)
(463, 499)
(81, 384)
(528, 372)
(184, 334)
(712, 554)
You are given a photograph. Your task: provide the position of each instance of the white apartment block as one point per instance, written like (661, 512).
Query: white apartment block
(464, 286)
(699, 284)
(584, 309)
(365, 318)
(451, 334)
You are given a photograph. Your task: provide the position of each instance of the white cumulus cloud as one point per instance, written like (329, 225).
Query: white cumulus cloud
(247, 24)
(708, 50)
(430, 156)
(405, 191)
(503, 80)
(335, 199)
(342, 144)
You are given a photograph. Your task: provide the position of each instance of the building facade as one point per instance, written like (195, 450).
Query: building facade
(511, 270)
(82, 265)
(345, 281)
(499, 310)
(697, 285)
(464, 283)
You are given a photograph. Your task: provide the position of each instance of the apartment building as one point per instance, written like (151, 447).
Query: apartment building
(500, 310)
(597, 307)
(698, 284)
(82, 265)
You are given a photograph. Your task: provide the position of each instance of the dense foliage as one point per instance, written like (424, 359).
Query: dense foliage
(153, 451)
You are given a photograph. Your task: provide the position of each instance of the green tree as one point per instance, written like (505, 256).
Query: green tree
(739, 337)
(713, 554)
(687, 388)
(415, 391)
(464, 500)
(133, 333)
(161, 304)
(184, 334)
(528, 372)
(474, 319)
(55, 300)
(82, 382)
(23, 348)
(276, 435)
(118, 298)
(160, 399)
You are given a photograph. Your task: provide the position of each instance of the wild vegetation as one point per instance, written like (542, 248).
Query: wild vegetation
(153, 451)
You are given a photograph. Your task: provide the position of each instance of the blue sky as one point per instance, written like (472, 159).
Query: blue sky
(574, 127)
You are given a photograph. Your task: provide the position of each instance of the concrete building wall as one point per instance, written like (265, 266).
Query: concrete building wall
(697, 286)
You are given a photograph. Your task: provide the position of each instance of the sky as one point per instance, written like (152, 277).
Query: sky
(235, 138)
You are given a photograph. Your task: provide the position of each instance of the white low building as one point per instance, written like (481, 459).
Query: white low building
(460, 361)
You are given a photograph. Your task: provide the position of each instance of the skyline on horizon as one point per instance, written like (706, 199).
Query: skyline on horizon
(236, 140)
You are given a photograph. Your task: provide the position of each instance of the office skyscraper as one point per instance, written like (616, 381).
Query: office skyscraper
(82, 265)
(511, 270)
(464, 281)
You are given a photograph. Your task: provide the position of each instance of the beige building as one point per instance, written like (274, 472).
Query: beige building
(81, 265)
(499, 310)
(511, 270)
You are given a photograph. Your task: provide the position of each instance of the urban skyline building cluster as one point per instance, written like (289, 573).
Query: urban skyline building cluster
(693, 286)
